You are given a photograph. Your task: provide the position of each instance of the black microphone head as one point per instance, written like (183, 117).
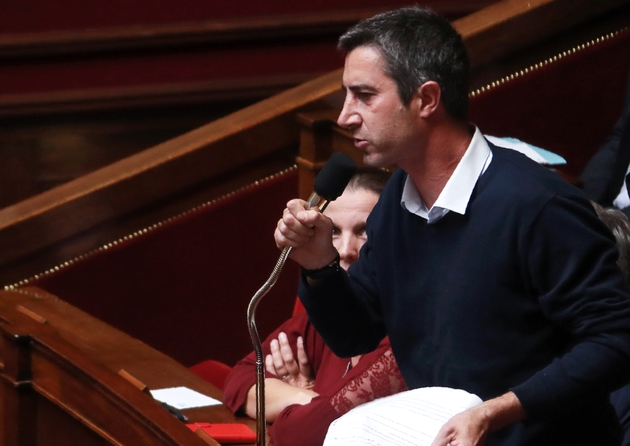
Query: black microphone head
(334, 176)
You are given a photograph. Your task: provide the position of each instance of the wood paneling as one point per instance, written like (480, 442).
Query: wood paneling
(99, 81)
(223, 147)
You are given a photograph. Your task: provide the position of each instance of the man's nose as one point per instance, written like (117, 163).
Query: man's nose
(348, 118)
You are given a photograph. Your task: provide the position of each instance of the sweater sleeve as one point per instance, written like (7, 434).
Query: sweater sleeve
(571, 262)
(328, 305)
(356, 292)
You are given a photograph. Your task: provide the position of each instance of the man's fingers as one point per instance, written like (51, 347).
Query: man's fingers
(308, 232)
(296, 217)
(291, 232)
(297, 222)
(467, 428)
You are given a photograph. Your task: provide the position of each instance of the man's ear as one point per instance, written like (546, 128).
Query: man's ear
(429, 95)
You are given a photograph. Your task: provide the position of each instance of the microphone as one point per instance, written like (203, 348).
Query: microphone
(329, 185)
(331, 181)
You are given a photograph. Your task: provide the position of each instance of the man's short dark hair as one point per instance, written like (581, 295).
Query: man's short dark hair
(417, 45)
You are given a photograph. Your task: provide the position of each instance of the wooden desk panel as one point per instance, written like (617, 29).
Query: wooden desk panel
(72, 362)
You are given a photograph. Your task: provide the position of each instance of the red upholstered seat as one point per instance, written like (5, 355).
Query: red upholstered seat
(212, 371)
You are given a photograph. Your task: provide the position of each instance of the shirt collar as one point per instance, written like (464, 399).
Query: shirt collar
(459, 187)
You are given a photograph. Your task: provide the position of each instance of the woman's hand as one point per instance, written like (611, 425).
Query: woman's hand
(282, 363)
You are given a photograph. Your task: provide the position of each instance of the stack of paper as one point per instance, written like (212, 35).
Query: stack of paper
(410, 418)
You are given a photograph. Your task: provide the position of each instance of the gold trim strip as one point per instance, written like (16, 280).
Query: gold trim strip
(146, 230)
(546, 62)
(480, 90)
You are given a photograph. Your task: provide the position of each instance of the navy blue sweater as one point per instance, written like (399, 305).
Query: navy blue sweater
(521, 293)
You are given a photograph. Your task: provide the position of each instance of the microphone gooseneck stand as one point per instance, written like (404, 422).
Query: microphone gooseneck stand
(329, 185)
(314, 201)
(261, 418)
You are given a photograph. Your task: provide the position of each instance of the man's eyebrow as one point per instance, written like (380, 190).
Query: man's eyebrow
(358, 87)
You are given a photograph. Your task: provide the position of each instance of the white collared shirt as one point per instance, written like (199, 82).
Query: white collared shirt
(623, 199)
(459, 187)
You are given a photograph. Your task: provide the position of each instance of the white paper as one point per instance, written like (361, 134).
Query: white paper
(183, 398)
(410, 418)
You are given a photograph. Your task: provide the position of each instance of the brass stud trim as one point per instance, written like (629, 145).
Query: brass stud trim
(146, 230)
(548, 61)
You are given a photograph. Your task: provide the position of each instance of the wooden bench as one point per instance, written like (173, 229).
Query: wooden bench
(68, 378)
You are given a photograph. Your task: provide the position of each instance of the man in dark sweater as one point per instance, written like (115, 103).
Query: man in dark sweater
(488, 272)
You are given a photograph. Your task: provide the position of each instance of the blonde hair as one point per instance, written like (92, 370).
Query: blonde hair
(369, 178)
(619, 225)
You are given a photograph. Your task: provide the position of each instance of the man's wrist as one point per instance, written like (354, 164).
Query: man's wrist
(323, 272)
(503, 411)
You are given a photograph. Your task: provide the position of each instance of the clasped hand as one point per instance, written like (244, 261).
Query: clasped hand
(282, 363)
(308, 232)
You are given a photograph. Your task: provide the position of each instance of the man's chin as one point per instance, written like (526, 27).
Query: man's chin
(374, 160)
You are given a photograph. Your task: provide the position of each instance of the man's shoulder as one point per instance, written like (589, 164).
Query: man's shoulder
(514, 172)
(521, 190)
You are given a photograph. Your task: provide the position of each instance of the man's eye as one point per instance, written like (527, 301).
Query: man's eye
(335, 232)
(364, 97)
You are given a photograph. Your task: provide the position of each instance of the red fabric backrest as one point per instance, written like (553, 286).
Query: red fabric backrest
(184, 287)
(568, 106)
(212, 371)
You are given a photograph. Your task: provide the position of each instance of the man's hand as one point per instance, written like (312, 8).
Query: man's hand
(308, 232)
(283, 364)
(471, 427)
